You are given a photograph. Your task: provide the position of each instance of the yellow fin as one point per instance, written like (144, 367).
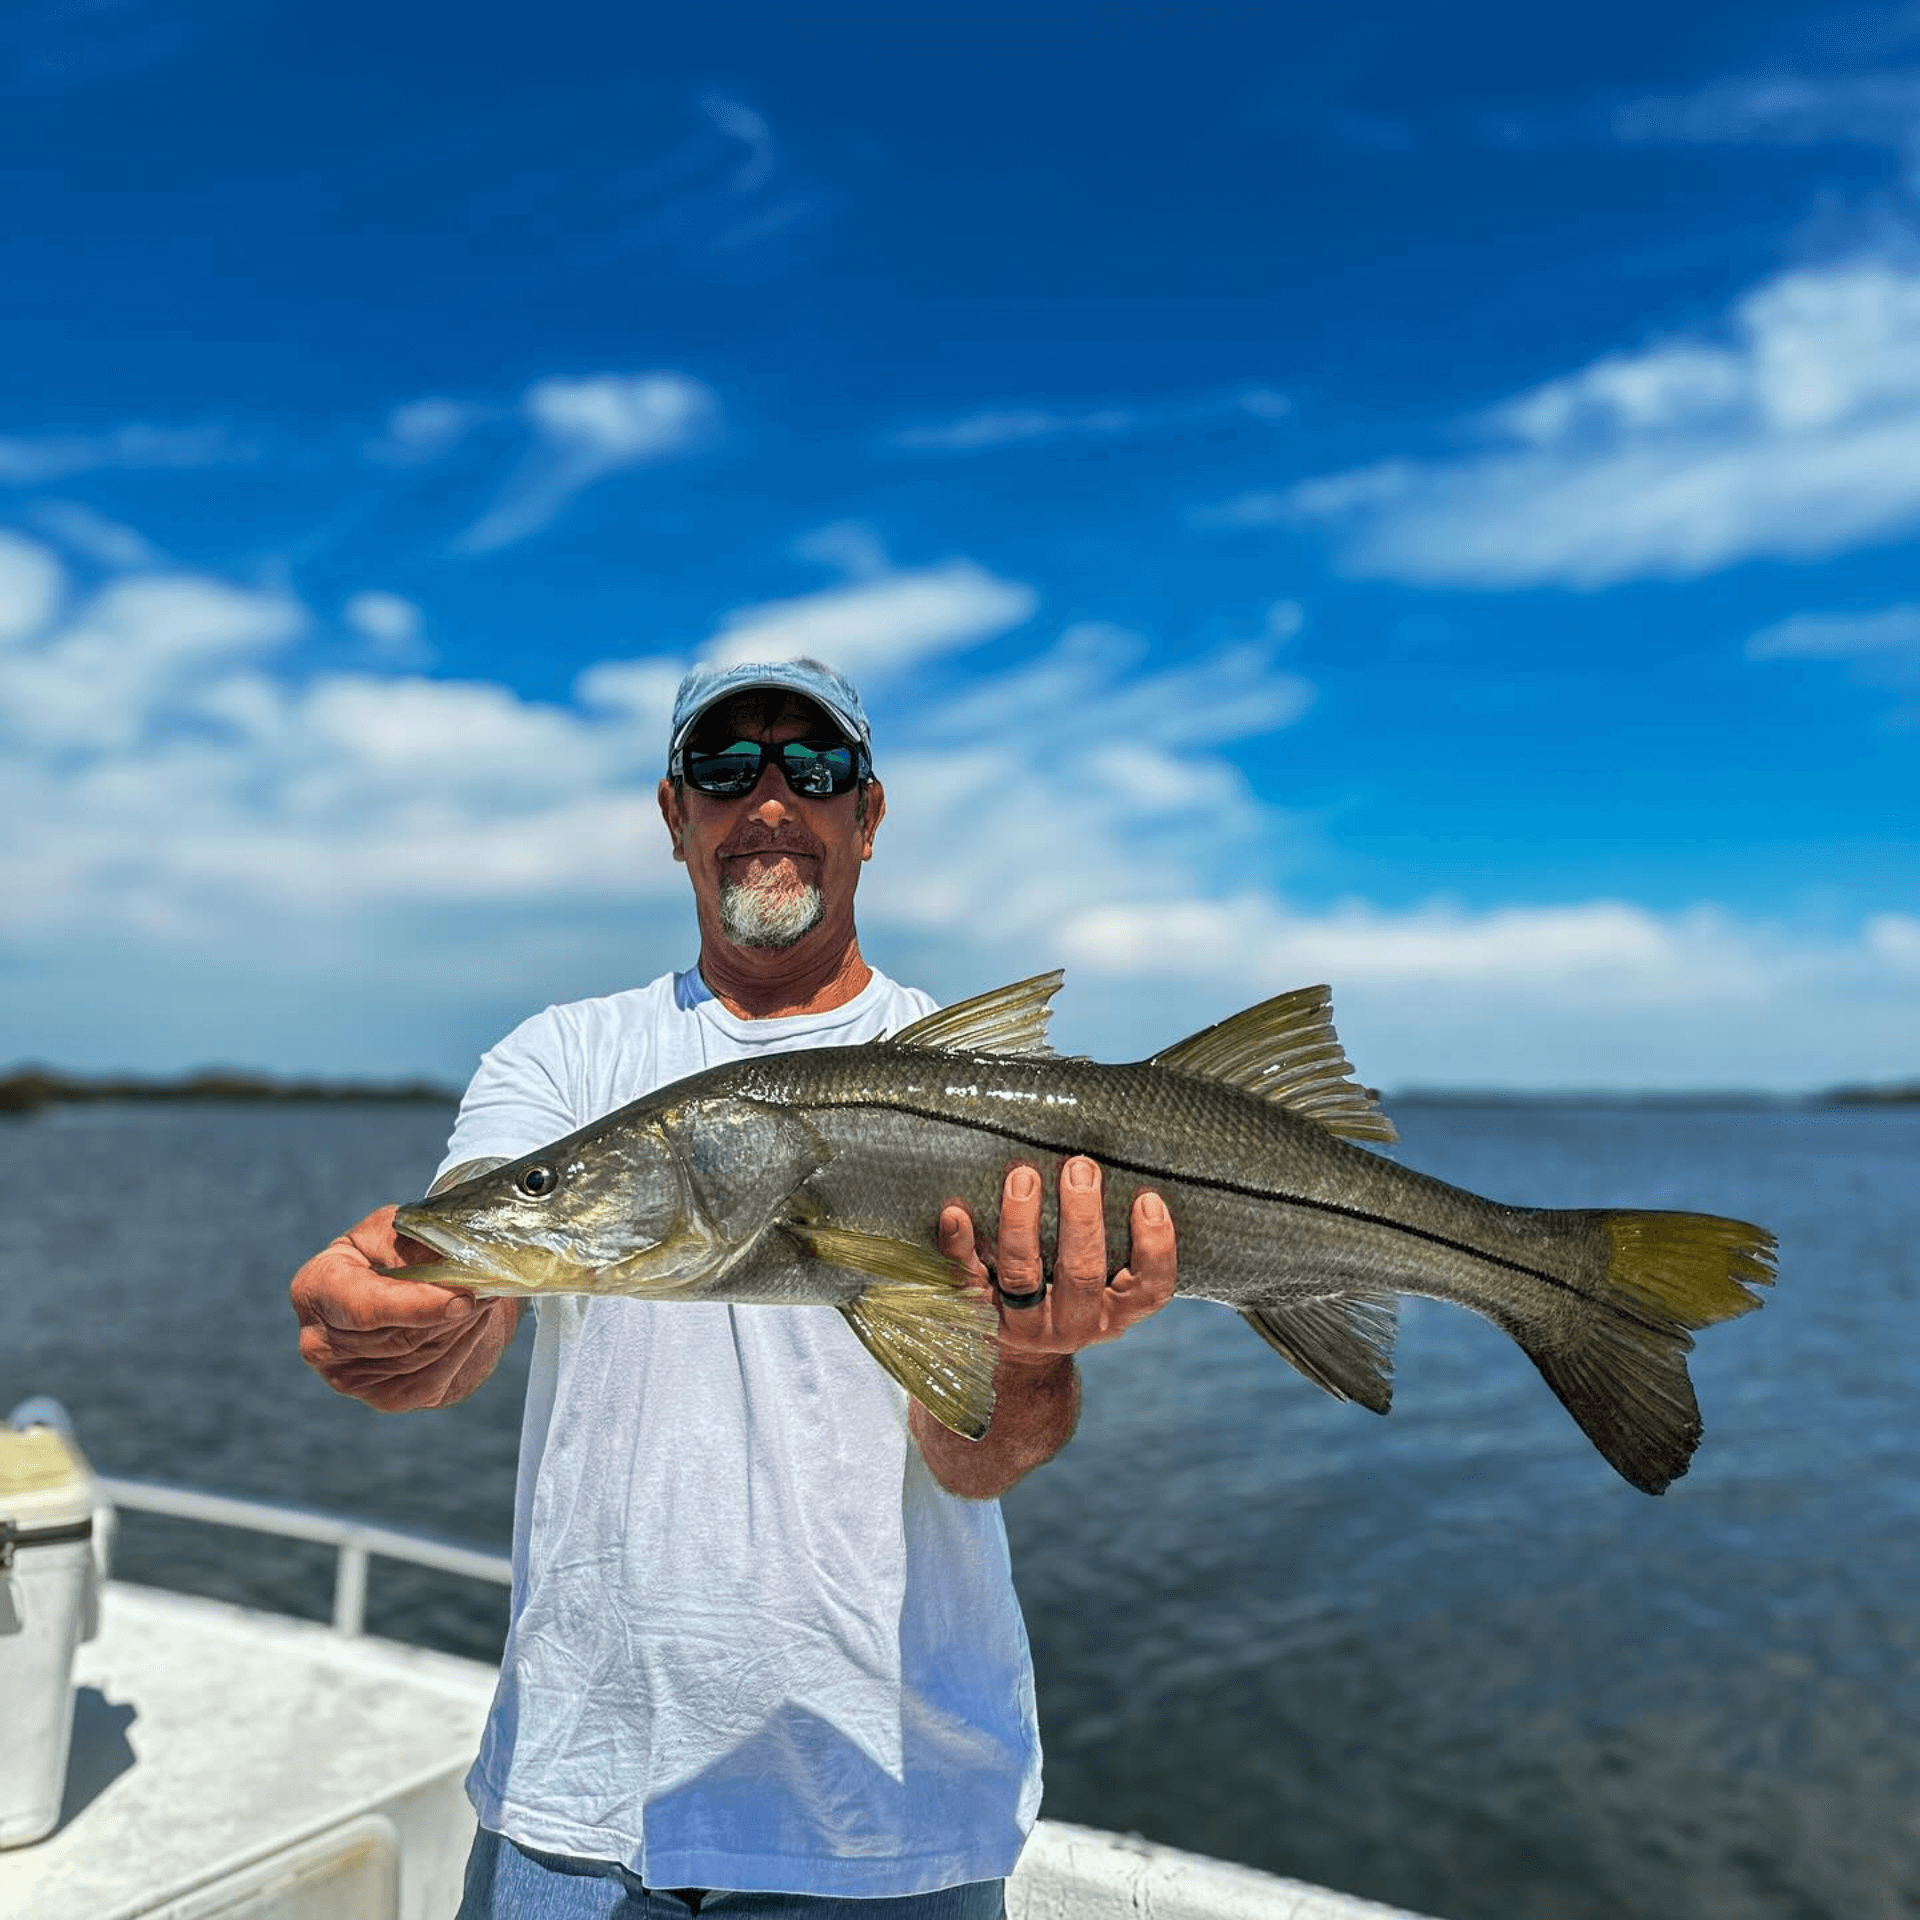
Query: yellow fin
(1622, 1372)
(1695, 1268)
(921, 1318)
(1008, 1020)
(1285, 1050)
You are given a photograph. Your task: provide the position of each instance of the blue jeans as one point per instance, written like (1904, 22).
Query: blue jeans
(506, 1881)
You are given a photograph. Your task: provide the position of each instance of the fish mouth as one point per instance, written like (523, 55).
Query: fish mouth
(462, 1262)
(483, 1264)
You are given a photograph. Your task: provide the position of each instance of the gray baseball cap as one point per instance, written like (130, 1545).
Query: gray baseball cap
(827, 687)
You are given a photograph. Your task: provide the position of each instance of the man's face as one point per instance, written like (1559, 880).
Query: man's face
(770, 866)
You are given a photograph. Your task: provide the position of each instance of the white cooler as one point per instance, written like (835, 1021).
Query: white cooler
(48, 1605)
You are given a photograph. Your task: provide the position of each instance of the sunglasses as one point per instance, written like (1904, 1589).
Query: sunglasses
(813, 772)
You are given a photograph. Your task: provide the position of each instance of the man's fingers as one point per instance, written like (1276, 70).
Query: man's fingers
(958, 1242)
(1017, 1239)
(339, 1287)
(1146, 1284)
(1080, 1258)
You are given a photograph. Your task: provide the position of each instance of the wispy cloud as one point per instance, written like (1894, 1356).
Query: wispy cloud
(1158, 423)
(584, 430)
(92, 535)
(422, 431)
(1879, 649)
(1839, 636)
(392, 625)
(885, 622)
(1792, 437)
(1008, 426)
(33, 460)
(1879, 108)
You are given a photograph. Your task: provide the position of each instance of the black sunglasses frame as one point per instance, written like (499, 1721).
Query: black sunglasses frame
(774, 753)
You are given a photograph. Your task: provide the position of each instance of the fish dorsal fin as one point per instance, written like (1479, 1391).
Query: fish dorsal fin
(1285, 1050)
(1007, 1020)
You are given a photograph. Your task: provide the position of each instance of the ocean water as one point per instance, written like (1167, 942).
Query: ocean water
(1444, 1659)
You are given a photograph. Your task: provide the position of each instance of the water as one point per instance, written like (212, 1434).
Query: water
(1446, 1659)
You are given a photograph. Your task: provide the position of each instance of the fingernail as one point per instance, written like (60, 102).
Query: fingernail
(1152, 1208)
(458, 1307)
(1082, 1174)
(1023, 1184)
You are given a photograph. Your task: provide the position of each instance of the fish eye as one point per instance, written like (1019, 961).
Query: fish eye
(538, 1181)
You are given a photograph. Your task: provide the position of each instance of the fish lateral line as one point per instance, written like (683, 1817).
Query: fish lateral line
(1213, 1183)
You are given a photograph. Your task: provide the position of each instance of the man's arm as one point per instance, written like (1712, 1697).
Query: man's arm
(1036, 1384)
(396, 1344)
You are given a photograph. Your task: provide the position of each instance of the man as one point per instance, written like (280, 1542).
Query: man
(764, 1650)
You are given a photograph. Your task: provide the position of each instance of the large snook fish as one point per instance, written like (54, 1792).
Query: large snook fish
(816, 1178)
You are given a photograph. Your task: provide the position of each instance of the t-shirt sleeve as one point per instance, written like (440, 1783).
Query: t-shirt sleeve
(523, 1094)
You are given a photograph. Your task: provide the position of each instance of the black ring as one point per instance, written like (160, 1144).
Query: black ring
(1020, 1302)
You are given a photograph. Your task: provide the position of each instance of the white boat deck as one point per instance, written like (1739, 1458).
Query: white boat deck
(235, 1765)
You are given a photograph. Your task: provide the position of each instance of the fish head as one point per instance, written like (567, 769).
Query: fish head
(594, 1213)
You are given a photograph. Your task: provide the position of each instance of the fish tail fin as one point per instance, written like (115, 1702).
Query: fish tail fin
(1623, 1373)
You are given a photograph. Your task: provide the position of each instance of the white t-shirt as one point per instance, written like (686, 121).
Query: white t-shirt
(754, 1643)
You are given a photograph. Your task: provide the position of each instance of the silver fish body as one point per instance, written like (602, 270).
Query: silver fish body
(817, 1177)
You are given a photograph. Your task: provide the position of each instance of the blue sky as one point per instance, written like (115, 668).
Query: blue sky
(1422, 499)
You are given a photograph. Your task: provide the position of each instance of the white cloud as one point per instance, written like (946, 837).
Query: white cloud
(881, 624)
(31, 584)
(850, 547)
(1160, 422)
(1792, 438)
(376, 871)
(391, 623)
(1879, 108)
(1839, 636)
(35, 460)
(1008, 426)
(584, 430)
(130, 652)
(420, 431)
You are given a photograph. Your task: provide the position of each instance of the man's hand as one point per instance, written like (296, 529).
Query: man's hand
(1082, 1306)
(1036, 1385)
(396, 1344)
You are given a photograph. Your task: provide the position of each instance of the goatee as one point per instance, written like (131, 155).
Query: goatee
(753, 916)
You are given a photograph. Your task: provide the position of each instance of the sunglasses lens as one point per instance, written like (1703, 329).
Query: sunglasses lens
(817, 770)
(732, 771)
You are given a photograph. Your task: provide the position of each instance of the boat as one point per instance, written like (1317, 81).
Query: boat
(232, 1763)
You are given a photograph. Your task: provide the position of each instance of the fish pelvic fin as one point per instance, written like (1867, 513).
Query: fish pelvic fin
(921, 1317)
(1010, 1019)
(1285, 1050)
(1343, 1345)
(1623, 1376)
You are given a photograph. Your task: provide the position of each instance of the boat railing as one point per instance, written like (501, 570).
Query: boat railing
(353, 1541)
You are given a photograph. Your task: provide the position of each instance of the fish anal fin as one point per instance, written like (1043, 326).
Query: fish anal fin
(1343, 1344)
(921, 1317)
(1011, 1019)
(1285, 1050)
(1622, 1372)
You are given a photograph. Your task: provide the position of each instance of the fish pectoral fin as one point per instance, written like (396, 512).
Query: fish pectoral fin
(1343, 1344)
(1010, 1019)
(1285, 1050)
(921, 1317)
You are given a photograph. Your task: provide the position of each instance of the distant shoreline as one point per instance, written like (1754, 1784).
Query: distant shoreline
(1905, 1094)
(29, 1089)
